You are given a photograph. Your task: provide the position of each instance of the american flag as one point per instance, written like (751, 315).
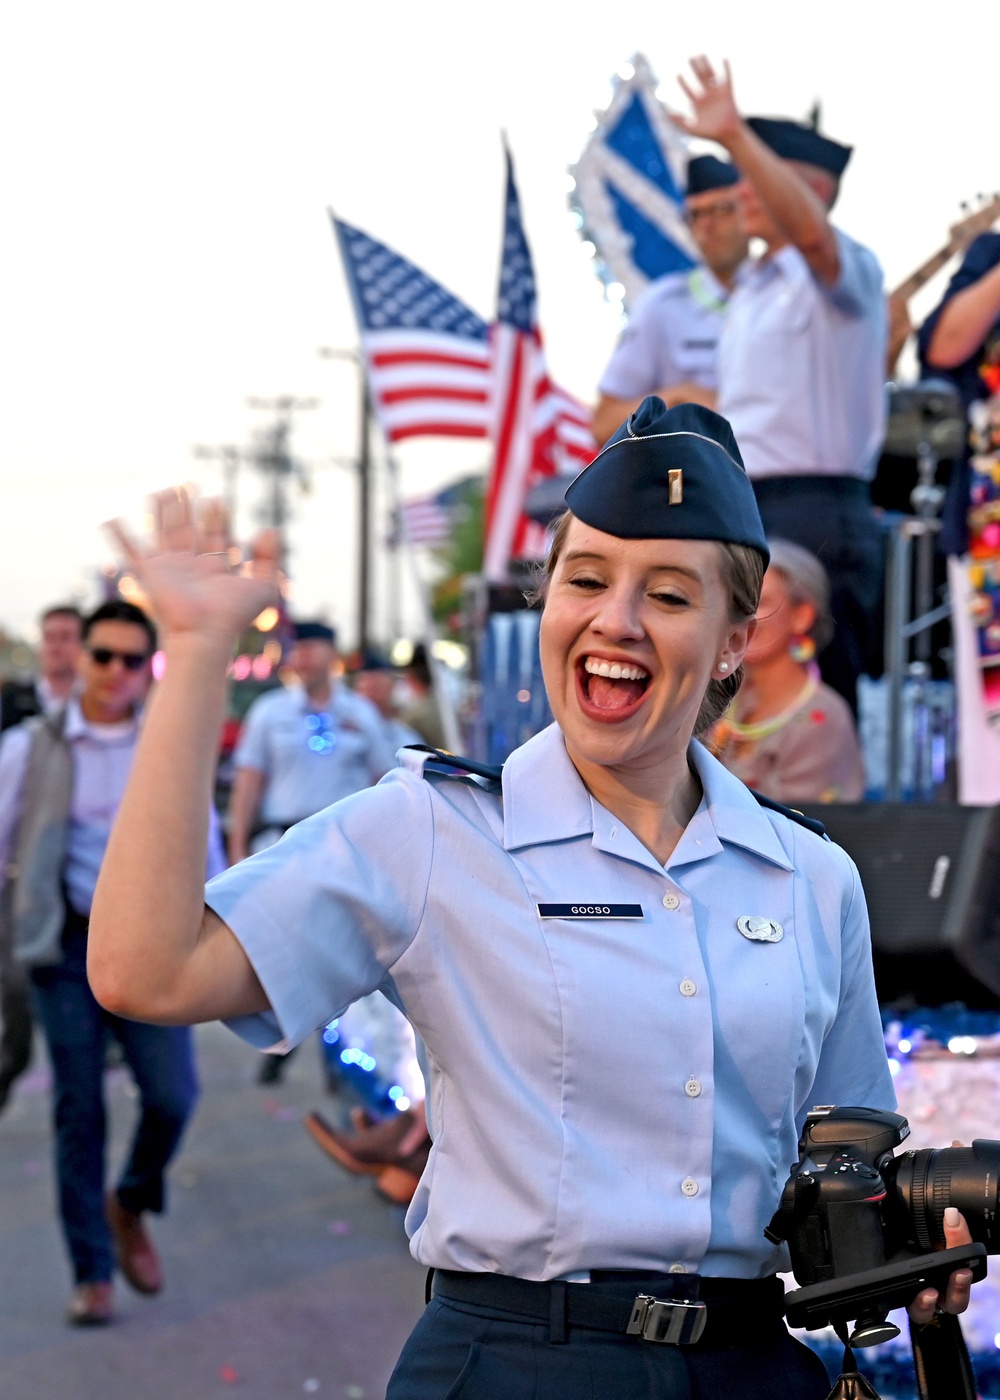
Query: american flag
(427, 353)
(424, 520)
(538, 429)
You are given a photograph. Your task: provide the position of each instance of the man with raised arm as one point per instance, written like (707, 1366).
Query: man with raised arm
(802, 359)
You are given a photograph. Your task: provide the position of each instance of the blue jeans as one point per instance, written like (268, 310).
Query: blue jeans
(162, 1062)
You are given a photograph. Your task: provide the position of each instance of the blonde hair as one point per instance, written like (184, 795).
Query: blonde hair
(743, 574)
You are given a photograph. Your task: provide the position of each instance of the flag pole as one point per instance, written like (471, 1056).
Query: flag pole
(443, 696)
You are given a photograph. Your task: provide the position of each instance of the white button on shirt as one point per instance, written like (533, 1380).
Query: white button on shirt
(802, 366)
(671, 900)
(688, 988)
(689, 1186)
(551, 1154)
(692, 1088)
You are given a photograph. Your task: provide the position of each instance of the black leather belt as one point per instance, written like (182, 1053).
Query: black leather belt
(678, 1309)
(780, 487)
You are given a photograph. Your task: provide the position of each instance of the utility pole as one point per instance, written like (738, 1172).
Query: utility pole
(364, 467)
(273, 459)
(230, 456)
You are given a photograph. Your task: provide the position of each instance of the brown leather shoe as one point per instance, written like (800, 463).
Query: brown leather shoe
(135, 1252)
(335, 1145)
(90, 1305)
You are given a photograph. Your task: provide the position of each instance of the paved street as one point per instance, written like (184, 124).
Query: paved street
(285, 1275)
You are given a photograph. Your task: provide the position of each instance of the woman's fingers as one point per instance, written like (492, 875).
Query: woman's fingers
(127, 547)
(959, 1290)
(214, 535)
(174, 521)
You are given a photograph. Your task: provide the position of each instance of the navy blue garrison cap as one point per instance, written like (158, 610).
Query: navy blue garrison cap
(670, 473)
(796, 141)
(315, 632)
(710, 173)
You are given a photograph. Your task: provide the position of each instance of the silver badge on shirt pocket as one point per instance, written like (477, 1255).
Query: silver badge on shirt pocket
(760, 930)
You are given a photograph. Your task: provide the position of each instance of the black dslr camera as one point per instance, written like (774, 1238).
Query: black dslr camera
(865, 1228)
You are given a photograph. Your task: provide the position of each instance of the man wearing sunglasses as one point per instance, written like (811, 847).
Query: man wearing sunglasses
(62, 776)
(670, 344)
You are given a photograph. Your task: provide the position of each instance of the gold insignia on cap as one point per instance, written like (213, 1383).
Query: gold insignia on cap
(675, 487)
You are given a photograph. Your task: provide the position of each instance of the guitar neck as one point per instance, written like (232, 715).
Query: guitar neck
(924, 273)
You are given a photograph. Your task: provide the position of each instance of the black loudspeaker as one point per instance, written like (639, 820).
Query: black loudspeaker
(931, 876)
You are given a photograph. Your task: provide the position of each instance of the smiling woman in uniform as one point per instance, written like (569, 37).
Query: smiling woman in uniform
(616, 875)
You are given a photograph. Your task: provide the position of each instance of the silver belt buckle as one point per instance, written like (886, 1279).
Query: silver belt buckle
(667, 1321)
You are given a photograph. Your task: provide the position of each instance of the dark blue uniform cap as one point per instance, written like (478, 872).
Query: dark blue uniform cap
(314, 632)
(796, 141)
(710, 173)
(673, 474)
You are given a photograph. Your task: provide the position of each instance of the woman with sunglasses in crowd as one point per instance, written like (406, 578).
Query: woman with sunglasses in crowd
(617, 876)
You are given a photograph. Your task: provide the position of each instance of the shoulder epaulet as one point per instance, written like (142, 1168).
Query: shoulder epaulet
(810, 823)
(455, 766)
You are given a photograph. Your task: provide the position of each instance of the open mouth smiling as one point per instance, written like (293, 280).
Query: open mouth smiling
(610, 690)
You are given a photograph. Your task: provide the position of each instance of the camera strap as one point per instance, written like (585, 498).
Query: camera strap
(851, 1384)
(941, 1359)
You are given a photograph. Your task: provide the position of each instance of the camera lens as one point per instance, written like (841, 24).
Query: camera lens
(930, 1180)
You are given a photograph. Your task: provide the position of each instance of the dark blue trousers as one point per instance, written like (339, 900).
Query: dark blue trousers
(459, 1351)
(162, 1062)
(833, 518)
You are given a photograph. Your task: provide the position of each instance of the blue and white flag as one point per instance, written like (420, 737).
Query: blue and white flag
(629, 187)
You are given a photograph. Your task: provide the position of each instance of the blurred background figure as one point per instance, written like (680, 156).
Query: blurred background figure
(787, 734)
(58, 675)
(302, 747)
(65, 773)
(419, 707)
(670, 344)
(960, 341)
(378, 680)
(58, 668)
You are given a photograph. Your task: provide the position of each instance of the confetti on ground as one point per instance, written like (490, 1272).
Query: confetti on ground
(311, 1385)
(354, 1392)
(228, 1375)
(340, 1227)
(287, 1114)
(32, 1168)
(187, 1178)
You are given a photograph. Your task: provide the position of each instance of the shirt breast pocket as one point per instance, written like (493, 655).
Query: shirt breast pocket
(760, 1010)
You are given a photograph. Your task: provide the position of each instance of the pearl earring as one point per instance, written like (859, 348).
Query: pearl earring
(723, 665)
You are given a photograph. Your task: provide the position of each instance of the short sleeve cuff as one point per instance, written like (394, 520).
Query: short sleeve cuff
(296, 1008)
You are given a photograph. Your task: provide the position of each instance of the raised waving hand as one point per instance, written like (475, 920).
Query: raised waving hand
(197, 581)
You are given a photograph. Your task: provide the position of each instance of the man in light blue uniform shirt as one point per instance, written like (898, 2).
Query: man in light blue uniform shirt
(802, 362)
(303, 747)
(670, 345)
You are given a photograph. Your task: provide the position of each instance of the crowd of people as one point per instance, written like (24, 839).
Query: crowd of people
(710, 599)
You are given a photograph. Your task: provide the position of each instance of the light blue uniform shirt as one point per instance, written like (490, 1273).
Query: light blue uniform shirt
(603, 1093)
(802, 365)
(312, 758)
(672, 336)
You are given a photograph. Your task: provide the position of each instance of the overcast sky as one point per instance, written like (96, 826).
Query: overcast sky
(167, 253)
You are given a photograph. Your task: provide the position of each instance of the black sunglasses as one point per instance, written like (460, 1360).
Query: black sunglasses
(131, 660)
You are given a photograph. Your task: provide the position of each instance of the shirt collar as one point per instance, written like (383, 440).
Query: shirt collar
(545, 800)
(78, 727)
